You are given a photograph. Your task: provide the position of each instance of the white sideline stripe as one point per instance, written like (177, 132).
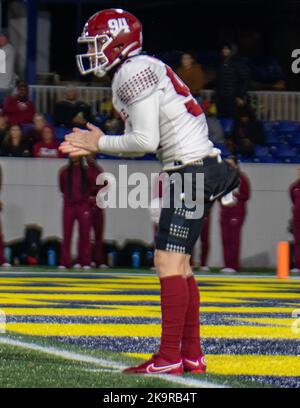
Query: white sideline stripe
(100, 370)
(68, 355)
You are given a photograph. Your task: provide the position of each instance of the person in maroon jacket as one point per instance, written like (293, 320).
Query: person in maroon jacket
(76, 185)
(47, 147)
(295, 197)
(34, 133)
(232, 219)
(204, 244)
(97, 214)
(18, 108)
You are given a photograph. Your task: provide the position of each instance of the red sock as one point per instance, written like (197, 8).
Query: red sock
(174, 301)
(191, 346)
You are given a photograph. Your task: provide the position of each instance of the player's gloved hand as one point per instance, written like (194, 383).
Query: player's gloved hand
(82, 142)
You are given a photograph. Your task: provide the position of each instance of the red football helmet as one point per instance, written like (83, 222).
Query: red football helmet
(111, 36)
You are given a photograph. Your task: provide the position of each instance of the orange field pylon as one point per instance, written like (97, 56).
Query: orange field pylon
(283, 260)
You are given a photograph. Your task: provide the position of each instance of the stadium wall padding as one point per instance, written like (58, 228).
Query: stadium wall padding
(30, 195)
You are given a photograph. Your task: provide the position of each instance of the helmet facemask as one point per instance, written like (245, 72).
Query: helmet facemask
(95, 60)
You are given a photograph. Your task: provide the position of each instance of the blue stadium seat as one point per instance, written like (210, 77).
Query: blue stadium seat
(101, 118)
(227, 124)
(26, 127)
(287, 126)
(284, 151)
(261, 152)
(291, 159)
(49, 118)
(243, 159)
(272, 137)
(60, 133)
(224, 151)
(269, 126)
(295, 139)
(247, 160)
(267, 159)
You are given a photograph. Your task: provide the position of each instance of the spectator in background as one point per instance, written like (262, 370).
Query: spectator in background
(231, 83)
(13, 144)
(7, 78)
(76, 185)
(97, 214)
(215, 130)
(34, 134)
(295, 198)
(18, 108)
(3, 261)
(106, 107)
(3, 129)
(48, 146)
(246, 133)
(71, 111)
(232, 219)
(191, 73)
(114, 125)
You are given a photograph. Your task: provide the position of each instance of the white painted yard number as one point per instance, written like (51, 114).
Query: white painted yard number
(296, 322)
(2, 319)
(2, 62)
(117, 24)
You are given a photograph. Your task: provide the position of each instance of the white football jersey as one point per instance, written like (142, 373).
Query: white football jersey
(145, 86)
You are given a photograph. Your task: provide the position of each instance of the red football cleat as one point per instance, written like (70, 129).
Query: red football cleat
(156, 365)
(197, 366)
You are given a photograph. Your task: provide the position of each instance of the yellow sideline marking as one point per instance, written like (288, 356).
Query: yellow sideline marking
(252, 309)
(147, 330)
(29, 302)
(271, 321)
(49, 289)
(103, 311)
(137, 284)
(247, 364)
(75, 297)
(134, 310)
(48, 297)
(108, 277)
(205, 297)
(81, 288)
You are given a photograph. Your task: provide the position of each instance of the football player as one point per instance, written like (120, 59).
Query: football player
(160, 116)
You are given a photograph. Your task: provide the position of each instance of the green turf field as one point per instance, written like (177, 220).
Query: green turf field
(77, 329)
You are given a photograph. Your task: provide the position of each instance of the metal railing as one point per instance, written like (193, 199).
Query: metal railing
(45, 96)
(269, 105)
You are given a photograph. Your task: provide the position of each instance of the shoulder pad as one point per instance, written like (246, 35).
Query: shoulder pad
(137, 79)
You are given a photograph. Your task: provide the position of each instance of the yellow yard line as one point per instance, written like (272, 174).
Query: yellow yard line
(252, 309)
(271, 321)
(49, 289)
(78, 297)
(147, 330)
(233, 290)
(64, 312)
(22, 301)
(135, 310)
